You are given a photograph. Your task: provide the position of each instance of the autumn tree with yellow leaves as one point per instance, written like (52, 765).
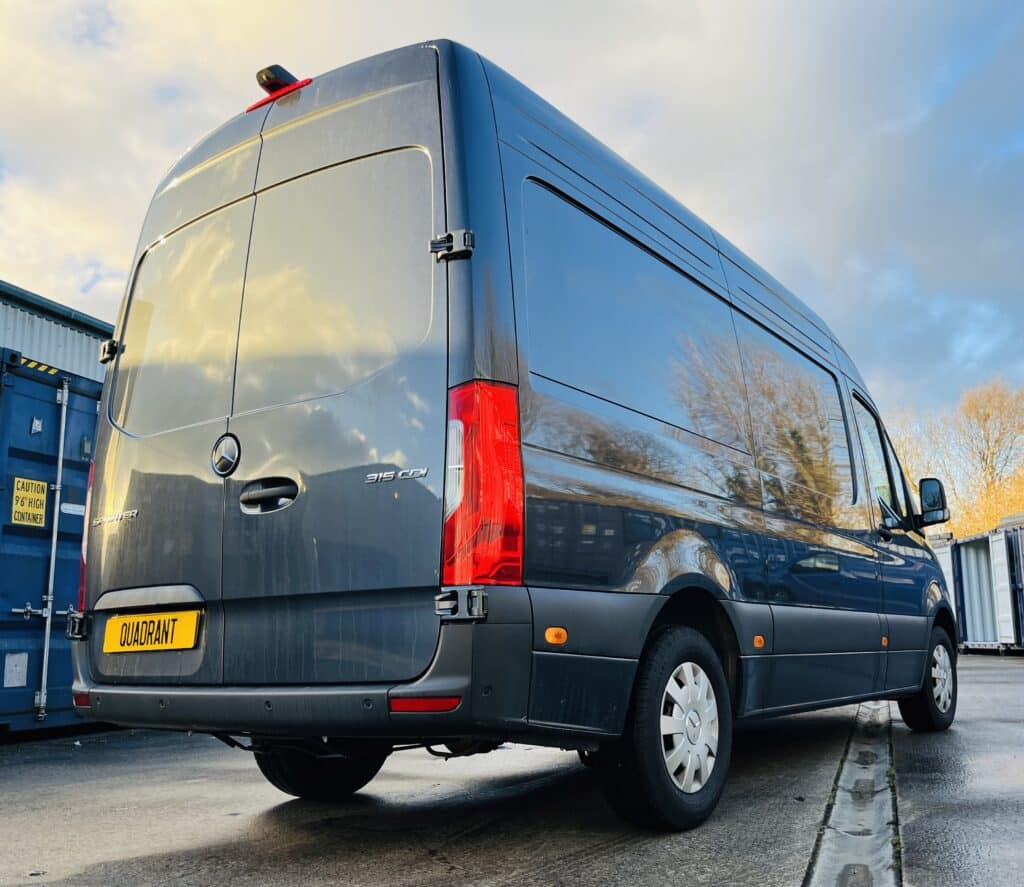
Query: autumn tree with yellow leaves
(976, 449)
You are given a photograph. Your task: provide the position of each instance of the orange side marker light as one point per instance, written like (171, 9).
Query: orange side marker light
(556, 635)
(758, 641)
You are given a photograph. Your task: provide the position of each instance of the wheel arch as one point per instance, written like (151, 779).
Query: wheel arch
(943, 617)
(695, 605)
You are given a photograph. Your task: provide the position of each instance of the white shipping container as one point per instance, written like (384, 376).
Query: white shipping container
(988, 597)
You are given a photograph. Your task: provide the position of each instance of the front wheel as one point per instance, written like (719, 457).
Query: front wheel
(669, 770)
(296, 772)
(933, 707)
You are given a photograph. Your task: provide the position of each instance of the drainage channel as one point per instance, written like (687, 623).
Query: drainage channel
(858, 845)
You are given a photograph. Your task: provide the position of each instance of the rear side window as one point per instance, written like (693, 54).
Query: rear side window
(182, 323)
(799, 429)
(608, 318)
(339, 282)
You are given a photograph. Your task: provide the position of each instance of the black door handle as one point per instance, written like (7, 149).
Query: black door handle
(268, 494)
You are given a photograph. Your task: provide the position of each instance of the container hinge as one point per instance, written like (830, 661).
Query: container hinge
(462, 603)
(457, 244)
(109, 350)
(78, 625)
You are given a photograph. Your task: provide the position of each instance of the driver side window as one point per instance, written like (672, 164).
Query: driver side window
(876, 448)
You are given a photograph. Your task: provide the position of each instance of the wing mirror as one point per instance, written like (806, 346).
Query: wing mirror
(934, 509)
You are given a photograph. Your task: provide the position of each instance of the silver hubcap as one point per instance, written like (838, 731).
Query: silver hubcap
(942, 678)
(689, 727)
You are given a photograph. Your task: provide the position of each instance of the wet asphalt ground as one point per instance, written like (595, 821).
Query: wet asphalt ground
(150, 808)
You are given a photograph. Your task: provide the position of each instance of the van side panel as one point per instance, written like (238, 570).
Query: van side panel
(625, 504)
(628, 491)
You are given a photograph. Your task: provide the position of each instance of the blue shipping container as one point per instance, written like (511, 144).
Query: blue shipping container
(30, 425)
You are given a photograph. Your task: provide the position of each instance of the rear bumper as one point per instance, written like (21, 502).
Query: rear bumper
(487, 666)
(512, 686)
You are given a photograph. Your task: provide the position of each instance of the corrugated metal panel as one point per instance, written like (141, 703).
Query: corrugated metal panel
(976, 579)
(49, 342)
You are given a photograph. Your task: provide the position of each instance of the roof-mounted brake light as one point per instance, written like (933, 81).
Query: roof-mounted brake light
(276, 82)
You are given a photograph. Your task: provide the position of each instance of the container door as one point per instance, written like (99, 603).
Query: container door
(1002, 588)
(976, 580)
(333, 518)
(156, 516)
(29, 439)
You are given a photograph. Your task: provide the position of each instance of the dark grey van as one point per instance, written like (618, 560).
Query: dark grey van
(430, 422)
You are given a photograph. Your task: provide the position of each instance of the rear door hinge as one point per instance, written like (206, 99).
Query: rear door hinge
(457, 244)
(77, 626)
(109, 350)
(461, 603)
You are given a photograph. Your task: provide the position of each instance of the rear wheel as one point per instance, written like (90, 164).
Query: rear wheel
(933, 707)
(304, 775)
(671, 765)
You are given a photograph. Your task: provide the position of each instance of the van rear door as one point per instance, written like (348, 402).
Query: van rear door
(157, 508)
(333, 518)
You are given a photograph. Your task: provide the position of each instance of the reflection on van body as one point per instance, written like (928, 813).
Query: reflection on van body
(626, 488)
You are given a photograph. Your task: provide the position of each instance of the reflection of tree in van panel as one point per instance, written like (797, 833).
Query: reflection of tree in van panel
(795, 428)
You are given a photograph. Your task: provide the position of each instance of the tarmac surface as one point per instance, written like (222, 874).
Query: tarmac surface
(961, 794)
(142, 807)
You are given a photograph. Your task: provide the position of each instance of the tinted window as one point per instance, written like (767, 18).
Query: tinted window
(897, 480)
(339, 279)
(874, 454)
(876, 450)
(610, 319)
(182, 324)
(799, 429)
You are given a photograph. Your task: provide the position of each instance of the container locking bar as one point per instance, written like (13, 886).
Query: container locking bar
(457, 244)
(28, 611)
(461, 603)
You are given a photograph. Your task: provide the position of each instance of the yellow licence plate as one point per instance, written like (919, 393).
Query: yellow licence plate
(151, 631)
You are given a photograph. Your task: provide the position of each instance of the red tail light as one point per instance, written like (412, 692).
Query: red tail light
(483, 490)
(85, 540)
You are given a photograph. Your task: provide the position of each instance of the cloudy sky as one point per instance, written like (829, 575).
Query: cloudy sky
(870, 155)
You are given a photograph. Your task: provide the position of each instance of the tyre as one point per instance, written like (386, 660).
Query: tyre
(933, 707)
(670, 767)
(299, 773)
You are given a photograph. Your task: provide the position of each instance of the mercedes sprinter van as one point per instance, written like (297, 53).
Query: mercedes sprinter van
(428, 421)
